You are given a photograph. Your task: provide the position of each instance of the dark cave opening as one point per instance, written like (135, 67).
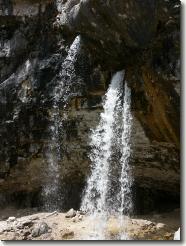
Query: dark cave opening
(145, 200)
(148, 200)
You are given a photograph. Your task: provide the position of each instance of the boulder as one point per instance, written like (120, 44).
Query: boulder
(39, 229)
(71, 213)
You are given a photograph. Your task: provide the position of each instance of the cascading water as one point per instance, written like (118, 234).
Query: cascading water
(52, 195)
(126, 177)
(113, 132)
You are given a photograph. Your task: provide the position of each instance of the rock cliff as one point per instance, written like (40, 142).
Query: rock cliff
(142, 37)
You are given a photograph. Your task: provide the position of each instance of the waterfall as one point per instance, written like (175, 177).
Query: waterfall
(112, 132)
(126, 177)
(51, 193)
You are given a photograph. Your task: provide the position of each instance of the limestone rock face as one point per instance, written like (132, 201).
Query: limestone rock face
(141, 37)
(118, 32)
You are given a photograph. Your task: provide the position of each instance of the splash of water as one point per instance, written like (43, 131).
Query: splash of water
(113, 132)
(51, 193)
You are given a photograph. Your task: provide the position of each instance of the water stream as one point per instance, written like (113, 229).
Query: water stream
(125, 193)
(112, 135)
(52, 194)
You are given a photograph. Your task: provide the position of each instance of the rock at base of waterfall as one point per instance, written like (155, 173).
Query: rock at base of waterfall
(52, 214)
(160, 226)
(11, 219)
(177, 235)
(39, 229)
(77, 218)
(25, 223)
(67, 234)
(138, 228)
(71, 213)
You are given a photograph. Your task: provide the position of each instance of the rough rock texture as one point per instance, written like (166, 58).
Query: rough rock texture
(43, 226)
(150, 48)
(141, 37)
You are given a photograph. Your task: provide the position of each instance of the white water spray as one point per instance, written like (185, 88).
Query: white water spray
(104, 139)
(126, 177)
(52, 196)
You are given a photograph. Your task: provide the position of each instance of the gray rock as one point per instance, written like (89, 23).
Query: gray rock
(39, 229)
(52, 214)
(35, 232)
(71, 213)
